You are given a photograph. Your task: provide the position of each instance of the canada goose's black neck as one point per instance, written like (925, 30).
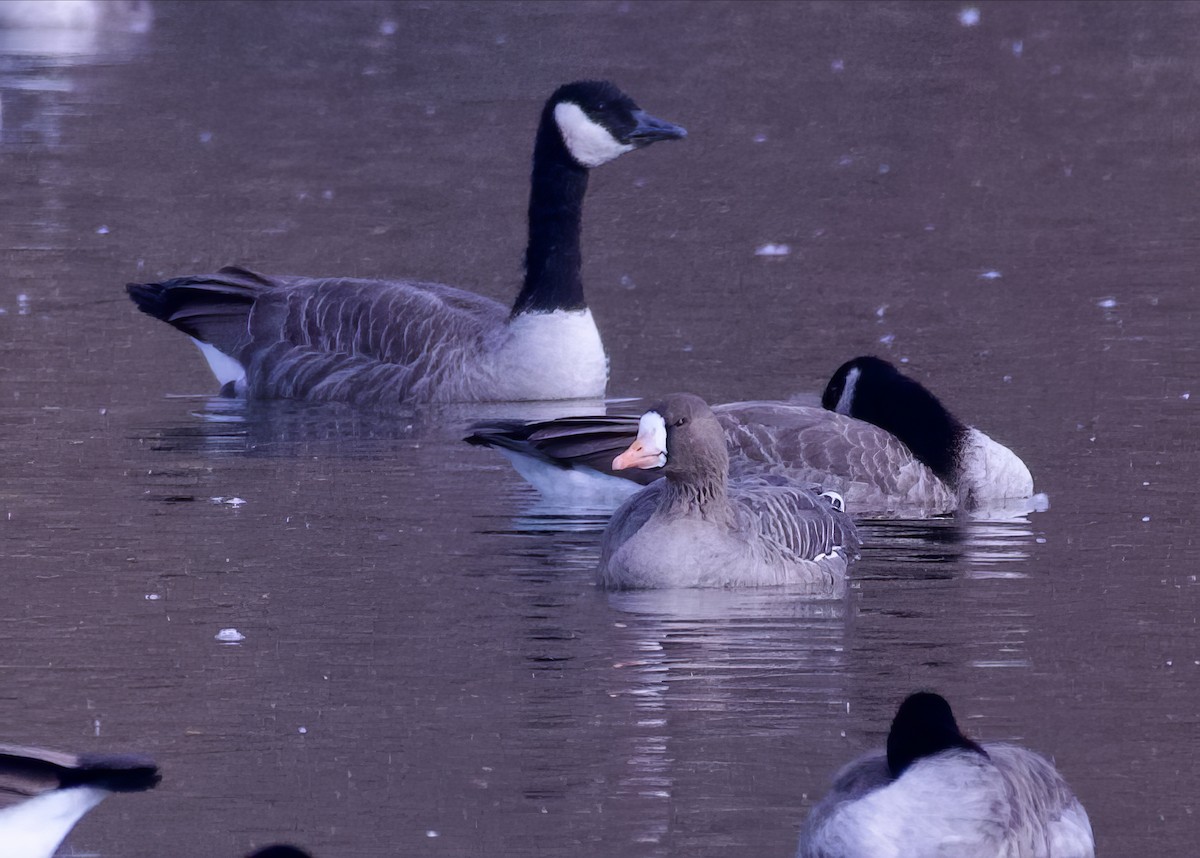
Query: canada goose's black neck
(553, 258)
(924, 726)
(880, 394)
(933, 434)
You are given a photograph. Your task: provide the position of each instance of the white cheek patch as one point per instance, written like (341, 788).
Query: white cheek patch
(847, 397)
(589, 143)
(652, 432)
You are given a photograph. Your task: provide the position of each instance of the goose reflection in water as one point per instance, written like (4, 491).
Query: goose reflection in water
(700, 664)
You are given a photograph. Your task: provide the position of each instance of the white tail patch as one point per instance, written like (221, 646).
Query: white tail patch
(225, 368)
(35, 827)
(578, 488)
(991, 471)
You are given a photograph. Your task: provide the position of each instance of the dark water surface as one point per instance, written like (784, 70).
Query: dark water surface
(426, 667)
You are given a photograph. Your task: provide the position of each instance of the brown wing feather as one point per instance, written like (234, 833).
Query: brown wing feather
(792, 521)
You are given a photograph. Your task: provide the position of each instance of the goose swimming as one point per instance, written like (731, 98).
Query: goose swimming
(381, 343)
(880, 439)
(697, 528)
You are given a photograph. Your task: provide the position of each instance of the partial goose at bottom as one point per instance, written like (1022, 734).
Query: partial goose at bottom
(935, 793)
(44, 793)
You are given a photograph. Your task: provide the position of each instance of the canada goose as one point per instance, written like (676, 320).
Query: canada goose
(134, 16)
(881, 440)
(378, 343)
(44, 793)
(934, 792)
(697, 528)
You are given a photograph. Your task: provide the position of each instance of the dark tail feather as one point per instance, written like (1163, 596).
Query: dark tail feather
(31, 771)
(114, 772)
(213, 308)
(279, 850)
(150, 298)
(569, 442)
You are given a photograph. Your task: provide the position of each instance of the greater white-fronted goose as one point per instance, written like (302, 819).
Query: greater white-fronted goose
(697, 528)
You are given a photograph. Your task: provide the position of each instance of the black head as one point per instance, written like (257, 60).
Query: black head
(598, 122)
(871, 389)
(114, 772)
(849, 375)
(279, 850)
(923, 726)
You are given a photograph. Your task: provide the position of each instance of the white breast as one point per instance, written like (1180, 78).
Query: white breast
(555, 355)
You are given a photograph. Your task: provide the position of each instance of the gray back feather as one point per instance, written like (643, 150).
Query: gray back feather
(872, 468)
(366, 342)
(1037, 794)
(1023, 806)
